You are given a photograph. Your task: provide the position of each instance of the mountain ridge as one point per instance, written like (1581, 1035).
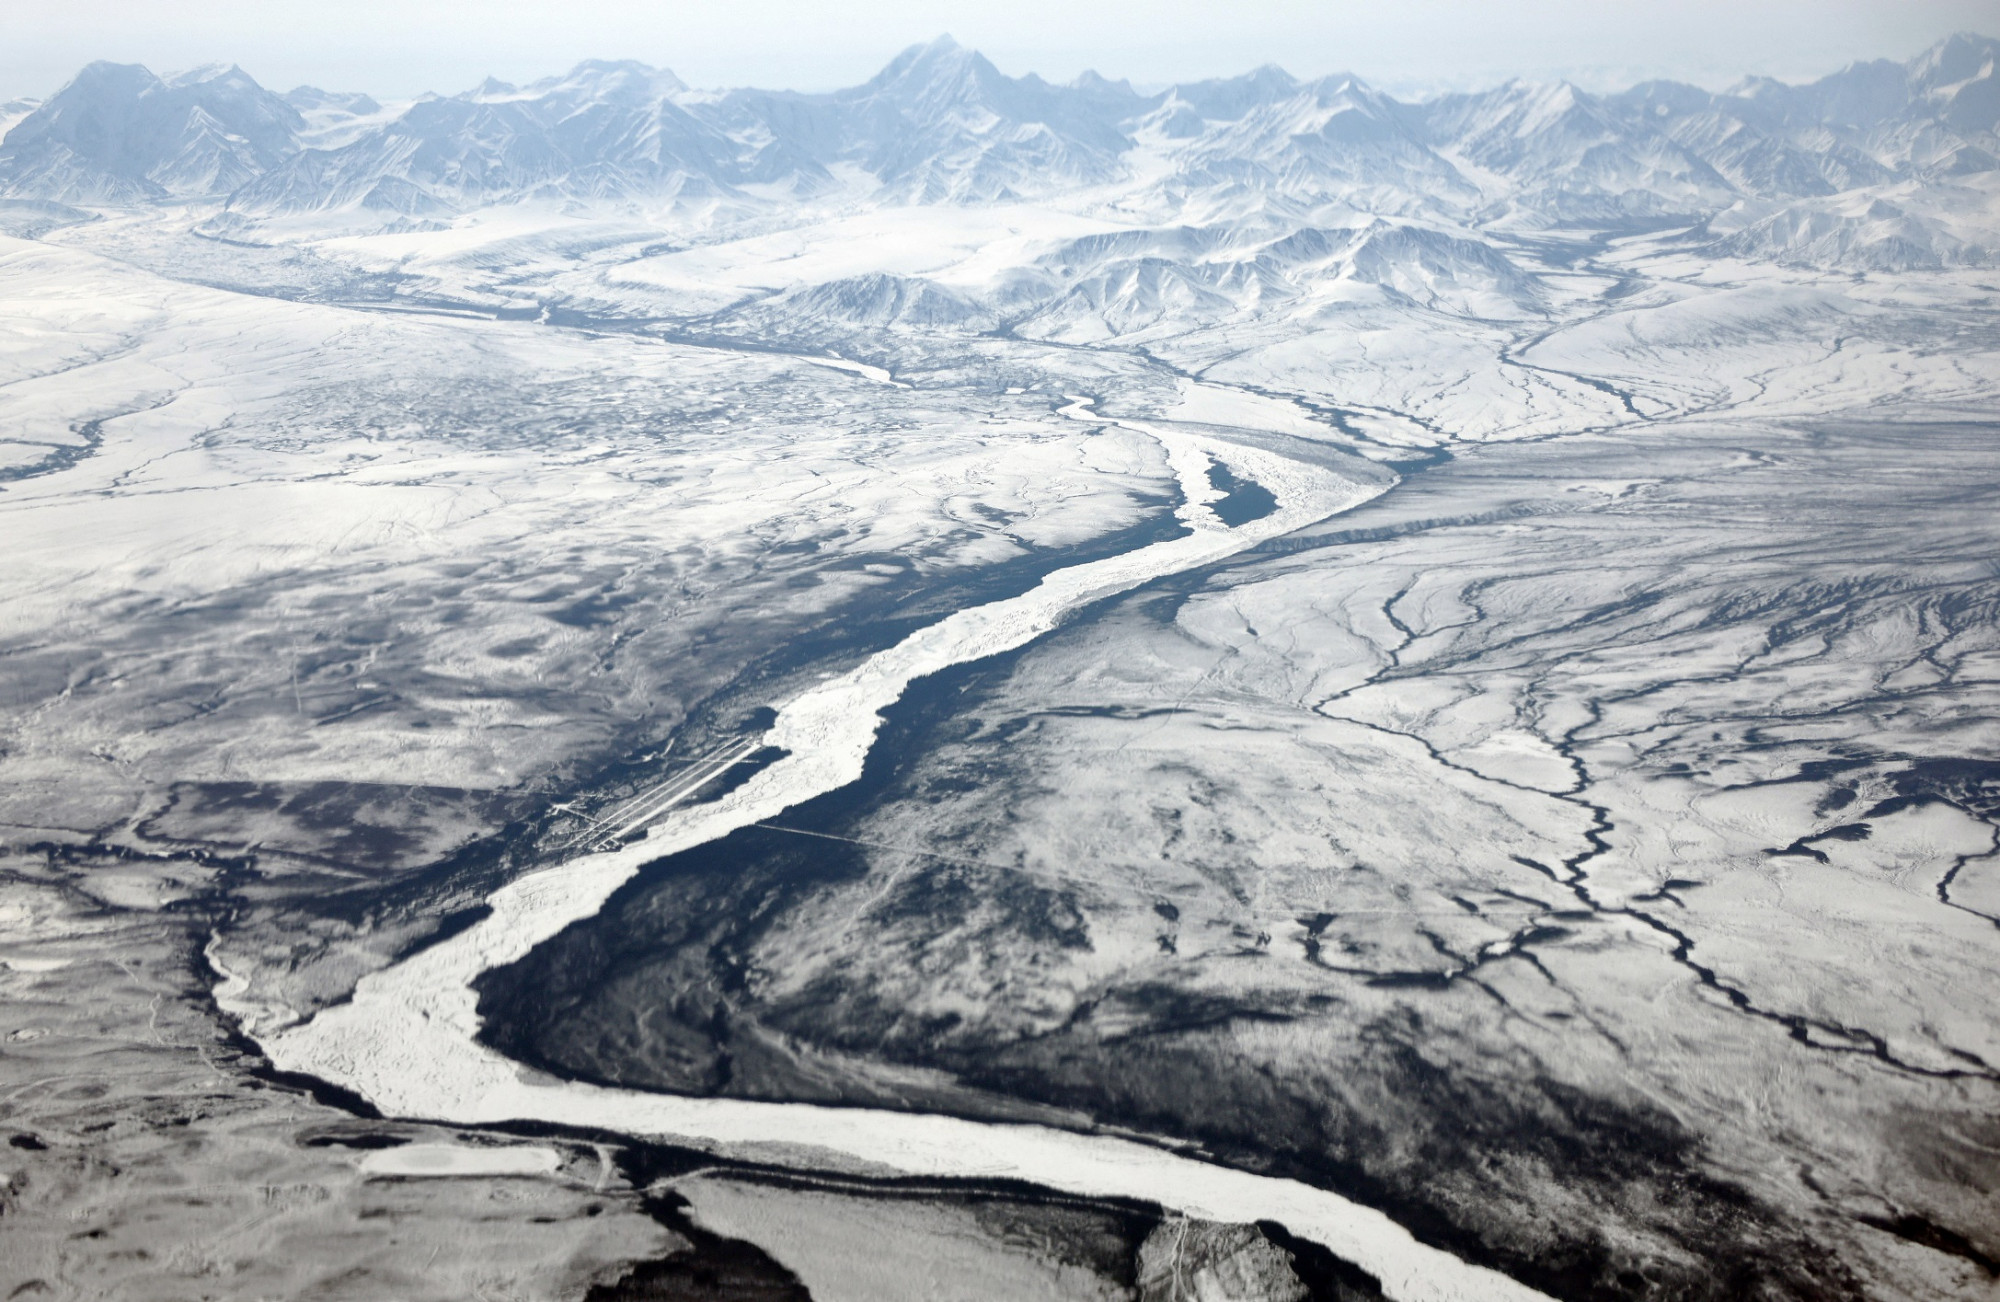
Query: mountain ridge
(941, 124)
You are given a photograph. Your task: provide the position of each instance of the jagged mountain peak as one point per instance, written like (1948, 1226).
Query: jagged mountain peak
(930, 63)
(1652, 100)
(1267, 74)
(1225, 99)
(1958, 81)
(308, 99)
(1519, 116)
(1338, 108)
(1094, 82)
(219, 75)
(102, 76)
(943, 79)
(1755, 86)
(1957, 58)
(619, 78)
(1542, 105)
(1345, 92)
(118, 133)
(941, 122)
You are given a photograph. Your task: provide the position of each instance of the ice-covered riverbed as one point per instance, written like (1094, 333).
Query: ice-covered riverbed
(406, 1041)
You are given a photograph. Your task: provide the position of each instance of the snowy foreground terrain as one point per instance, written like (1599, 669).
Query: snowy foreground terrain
(975, 689)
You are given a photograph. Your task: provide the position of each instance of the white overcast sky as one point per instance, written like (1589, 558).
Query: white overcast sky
(401, 47)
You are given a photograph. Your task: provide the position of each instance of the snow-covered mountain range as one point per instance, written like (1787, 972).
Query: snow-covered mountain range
(1882, 165)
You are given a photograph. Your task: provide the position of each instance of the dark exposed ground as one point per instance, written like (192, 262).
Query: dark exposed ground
(1413, 1102)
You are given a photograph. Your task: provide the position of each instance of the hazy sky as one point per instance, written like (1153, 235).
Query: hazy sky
(398, 47)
